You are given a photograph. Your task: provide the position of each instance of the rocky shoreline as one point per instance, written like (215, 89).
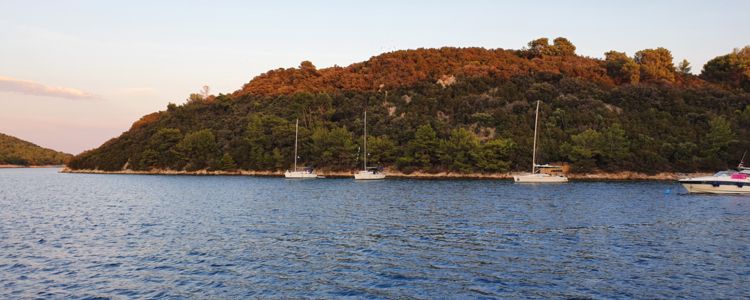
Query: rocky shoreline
(616, 176)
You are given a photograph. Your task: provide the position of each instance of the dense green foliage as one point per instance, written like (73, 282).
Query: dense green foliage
(621, 68)
(14, 151)
(645, 115)
(731, 70)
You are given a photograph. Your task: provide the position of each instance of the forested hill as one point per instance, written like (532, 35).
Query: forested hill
(460, 110)
(14, 151)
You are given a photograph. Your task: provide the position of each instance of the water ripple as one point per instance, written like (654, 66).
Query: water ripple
(176, 237)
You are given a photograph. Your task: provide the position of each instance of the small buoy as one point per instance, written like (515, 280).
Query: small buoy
(667, 191)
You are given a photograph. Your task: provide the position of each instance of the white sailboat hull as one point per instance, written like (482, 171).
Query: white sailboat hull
(367, 175)
(539, 178)
(299, 175)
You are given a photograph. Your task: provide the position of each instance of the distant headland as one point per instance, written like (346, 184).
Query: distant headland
(17, 153)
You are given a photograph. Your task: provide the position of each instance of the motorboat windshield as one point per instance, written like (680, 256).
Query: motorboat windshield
(724, 173)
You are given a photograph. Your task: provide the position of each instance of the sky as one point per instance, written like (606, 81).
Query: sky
(74, 74)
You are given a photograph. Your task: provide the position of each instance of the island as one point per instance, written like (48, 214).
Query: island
(456, 112)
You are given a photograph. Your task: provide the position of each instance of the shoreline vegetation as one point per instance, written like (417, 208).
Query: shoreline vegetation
(4, 166)
(613, 176)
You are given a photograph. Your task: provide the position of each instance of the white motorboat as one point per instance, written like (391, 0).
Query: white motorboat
(540, 173)
(306, 173)
(724, 182)
(366, 173)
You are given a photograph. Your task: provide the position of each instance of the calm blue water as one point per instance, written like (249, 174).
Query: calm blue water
(129, 236)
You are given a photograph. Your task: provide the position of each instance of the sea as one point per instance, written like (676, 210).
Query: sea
(94, 236)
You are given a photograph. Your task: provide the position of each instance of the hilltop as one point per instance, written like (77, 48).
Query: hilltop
(15, 151)
(406, 68)
(464, 110)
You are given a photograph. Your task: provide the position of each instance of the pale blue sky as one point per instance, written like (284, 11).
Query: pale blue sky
(122, 60)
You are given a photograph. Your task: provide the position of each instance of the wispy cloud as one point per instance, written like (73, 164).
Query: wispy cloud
(28, 87)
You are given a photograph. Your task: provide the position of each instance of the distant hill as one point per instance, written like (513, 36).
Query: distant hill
(15, 151)
(460, 110)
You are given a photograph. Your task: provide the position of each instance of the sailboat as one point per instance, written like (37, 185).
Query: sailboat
(372, 173)
(540, 173)
(306, 173)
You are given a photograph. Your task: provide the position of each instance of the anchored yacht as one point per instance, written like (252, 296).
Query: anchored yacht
(368, 173)
(306, 173)
(724, 182)
(540, 173)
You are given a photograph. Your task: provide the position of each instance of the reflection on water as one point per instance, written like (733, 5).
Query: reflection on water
(75, 235)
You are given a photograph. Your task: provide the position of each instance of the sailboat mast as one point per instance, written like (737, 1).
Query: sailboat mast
(296, 132)
(536, 124)
(365, 140)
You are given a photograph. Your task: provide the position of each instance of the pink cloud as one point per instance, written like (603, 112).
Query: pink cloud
(27, 87)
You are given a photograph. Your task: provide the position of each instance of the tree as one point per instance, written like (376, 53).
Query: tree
(260, 140)
(194, 98)
(560, 47)
(307, 66)
(538, 47)
(311, 108)
(202, 96)
(655, 64)
(494, 155)
(732, 70)
(717, 139)
(160, 151)
(615, 146)
(381, 150)
(460, 152)
(541, 92)
(563, 47)
(684, 67)
(421, 151)
(584, 149)
(333, 148)
(277, 159)
(198, 150)
(622, 68)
